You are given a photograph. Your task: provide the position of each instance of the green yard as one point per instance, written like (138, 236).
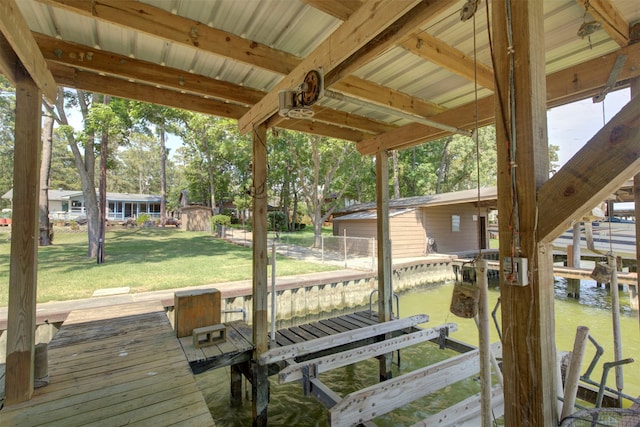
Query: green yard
(143, 259)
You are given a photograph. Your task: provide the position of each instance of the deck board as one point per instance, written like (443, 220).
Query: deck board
(120, 365)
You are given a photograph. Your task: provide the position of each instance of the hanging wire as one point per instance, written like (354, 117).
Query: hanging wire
(475, 132)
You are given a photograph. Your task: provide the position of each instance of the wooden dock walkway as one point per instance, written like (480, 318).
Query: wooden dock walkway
(119, 365)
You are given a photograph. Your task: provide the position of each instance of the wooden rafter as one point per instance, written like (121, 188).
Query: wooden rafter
(18, 36)
(438, 52)
(341, 9)
(144, 18)
(462, 117)
(180, 30)
(92, 82)
(87, 58)
(382, 95)
(572, 84)
(610, 17)
(575, 189)
(365, 24)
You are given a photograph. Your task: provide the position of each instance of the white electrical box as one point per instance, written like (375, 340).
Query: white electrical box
(515, 271)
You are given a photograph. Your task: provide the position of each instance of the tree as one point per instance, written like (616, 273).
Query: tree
(164, 120)
(103, 120)
(217, 159)
(85, 160)
(7, 124)
(46, 232)
(320, 161)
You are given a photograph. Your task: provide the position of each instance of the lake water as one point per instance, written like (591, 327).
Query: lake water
(288, 407)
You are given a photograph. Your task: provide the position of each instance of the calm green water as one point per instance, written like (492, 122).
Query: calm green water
(288, 407)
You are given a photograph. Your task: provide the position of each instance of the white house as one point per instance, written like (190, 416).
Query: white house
(69, 204)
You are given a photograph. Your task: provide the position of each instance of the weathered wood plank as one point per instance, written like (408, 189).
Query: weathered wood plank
(129, 386)
(465, 413)
(324, 364)
(335, 326)
(300, 349)
(376, 400)
(317, 333)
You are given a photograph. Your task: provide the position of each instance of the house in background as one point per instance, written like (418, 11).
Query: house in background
(445, 223)
(69, 204)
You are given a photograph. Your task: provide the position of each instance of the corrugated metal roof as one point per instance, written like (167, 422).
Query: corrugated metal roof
(455, 197)
(371, 215)
(297, 28)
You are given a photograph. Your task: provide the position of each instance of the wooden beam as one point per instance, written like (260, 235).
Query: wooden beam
(161, 23)
(415, 133)
(319, 128)
(635, 93)
(273, 61)
(260, 383)
(23, 269)
(425, 11)
(575, 189)
(365, 24)
(87, 58)
(341, 9)
(90, 81)
(378, 399)
(523, 166)
(93, 82)
(9, 61)
(17, 33)
(385, 96)
(348, 357)
(572, 84)
(435, 50)
(291, 351)
(606, 13)
(588, 78)
(385, 265)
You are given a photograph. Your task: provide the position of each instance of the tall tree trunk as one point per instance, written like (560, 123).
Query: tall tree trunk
(294, 215)
(104, 152)
(442, 168)
(212, 185)
(163, 177)
(86, 169)
(286, 190)
(46, 227)
(396, 175)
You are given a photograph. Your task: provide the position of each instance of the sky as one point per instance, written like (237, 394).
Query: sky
(571, 126)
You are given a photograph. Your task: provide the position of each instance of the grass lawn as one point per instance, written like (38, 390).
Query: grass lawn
(143, 259)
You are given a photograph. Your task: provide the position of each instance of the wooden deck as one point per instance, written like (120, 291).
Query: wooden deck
(119, 365)
(238, 347)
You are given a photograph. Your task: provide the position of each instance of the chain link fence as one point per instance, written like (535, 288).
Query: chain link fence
(348, 252)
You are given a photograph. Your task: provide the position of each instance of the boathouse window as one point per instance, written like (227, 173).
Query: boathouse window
(455, 222)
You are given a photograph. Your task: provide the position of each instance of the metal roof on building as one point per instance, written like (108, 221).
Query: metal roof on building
(489, 194)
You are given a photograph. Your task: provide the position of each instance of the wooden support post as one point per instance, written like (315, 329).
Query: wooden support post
(236, 385)
(24, 242)
(523, 166)
(635, 91)
(573, 260)
(260, 389)
(385, 291)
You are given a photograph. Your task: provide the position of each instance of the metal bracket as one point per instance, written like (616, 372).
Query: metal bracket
(442, 338)
(613, 78)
